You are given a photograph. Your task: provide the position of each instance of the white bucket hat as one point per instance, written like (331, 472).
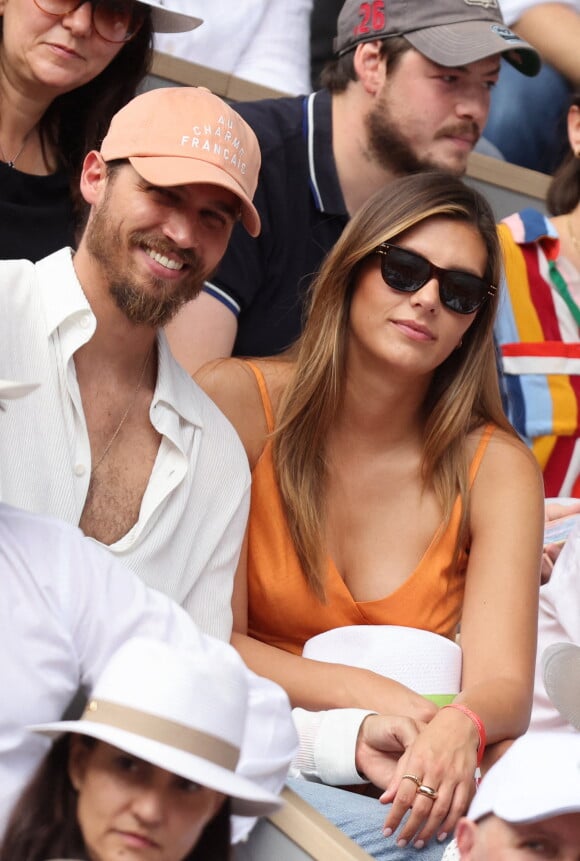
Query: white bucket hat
(166, 20)
(561, 665)
(178, 710)
(537, 778)
(10, 390)
(426, 662)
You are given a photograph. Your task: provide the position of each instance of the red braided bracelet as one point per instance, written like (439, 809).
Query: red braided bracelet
(477, 722)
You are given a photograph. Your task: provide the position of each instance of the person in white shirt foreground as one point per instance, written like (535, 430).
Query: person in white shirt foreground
(528, 804)
(67, 605)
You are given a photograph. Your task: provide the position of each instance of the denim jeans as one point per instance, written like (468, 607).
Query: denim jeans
(362, 819)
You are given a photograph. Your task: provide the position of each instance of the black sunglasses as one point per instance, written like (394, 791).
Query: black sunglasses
(115, 21)
(407, 271)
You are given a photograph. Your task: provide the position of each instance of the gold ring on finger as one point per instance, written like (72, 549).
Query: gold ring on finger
(412, 777)
(427, 791)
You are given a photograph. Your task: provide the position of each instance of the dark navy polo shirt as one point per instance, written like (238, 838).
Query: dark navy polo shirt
(263, 281)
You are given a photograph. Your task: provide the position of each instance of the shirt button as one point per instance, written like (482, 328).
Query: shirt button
(85, 321)
(80, 469)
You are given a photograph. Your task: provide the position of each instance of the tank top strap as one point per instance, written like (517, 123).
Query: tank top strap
(266, 402)
(480, 451)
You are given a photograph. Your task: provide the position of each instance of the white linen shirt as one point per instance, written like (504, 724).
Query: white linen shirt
(65, 606)
(187, 539)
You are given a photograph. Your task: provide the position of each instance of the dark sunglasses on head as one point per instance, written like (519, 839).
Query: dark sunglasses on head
(115, 21)
(407, 271)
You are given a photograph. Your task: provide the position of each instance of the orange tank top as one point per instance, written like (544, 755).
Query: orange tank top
(282, 609)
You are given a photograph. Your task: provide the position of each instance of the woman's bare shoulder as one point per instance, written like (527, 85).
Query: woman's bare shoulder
(233, 386)
(508, 467)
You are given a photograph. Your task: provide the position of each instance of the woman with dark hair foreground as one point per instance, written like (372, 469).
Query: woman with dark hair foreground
(539, 322)
(149, 769)
(66, 66)
(389, 488)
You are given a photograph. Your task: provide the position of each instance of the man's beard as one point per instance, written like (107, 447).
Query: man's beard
(156, 305)
(393, 151)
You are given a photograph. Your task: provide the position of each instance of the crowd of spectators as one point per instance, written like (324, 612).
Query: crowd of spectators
(272, 369)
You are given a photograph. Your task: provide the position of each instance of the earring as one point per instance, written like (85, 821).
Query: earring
(460, 344)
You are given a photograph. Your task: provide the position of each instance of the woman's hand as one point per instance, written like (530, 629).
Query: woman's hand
(381, 741)
(443, 758)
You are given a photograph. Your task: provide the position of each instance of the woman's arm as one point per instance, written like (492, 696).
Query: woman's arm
(498, 639)
(317, 685)
(554, 29)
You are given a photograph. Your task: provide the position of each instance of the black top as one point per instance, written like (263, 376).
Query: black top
(36, 215)
(263, 280)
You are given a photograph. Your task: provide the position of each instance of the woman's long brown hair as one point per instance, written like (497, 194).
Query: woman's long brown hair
(464, 391)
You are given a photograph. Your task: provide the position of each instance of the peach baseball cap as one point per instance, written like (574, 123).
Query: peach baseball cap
(183, 135)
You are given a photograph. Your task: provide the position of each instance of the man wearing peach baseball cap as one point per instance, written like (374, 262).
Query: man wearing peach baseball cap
(118, 439)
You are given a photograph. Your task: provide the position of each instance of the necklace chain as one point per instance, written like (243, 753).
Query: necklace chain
(573, 237)
(12, 161)
(130, 406)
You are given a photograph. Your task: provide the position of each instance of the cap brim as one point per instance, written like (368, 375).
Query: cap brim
(166, 21)
(248, 798)
(537, 778)
(453, 45)
(173, 170)
(561, 664)
(11, 390)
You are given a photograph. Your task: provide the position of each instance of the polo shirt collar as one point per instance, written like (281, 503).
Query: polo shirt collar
(317, 125)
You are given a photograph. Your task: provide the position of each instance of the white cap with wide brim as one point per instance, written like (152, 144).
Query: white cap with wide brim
(537, 778)
(561, 665)
(165, 20)
(10, 390)
(248, 799)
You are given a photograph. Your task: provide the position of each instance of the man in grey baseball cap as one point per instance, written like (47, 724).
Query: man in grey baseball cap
(408, 89)
(447, 32)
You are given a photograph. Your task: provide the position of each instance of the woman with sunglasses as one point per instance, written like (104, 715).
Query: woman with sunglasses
(66, 66)
(389, 488)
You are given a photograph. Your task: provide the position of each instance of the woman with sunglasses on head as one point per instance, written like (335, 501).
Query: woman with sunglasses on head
(66, 66)
(389, 488)
(149, 769)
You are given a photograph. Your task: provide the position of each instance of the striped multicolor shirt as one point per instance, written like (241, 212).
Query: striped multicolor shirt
(538, 337)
